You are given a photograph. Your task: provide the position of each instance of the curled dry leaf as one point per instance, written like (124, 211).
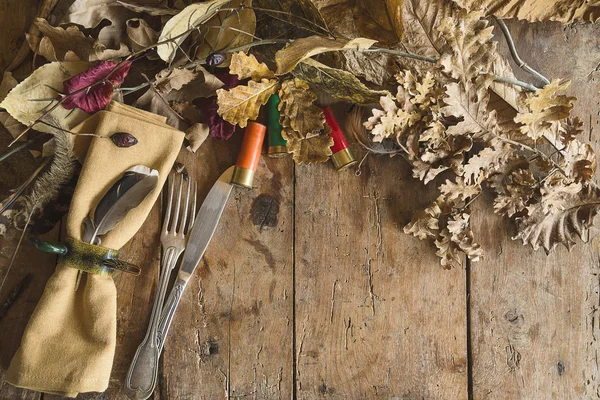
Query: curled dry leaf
(340, 84)
(564, 11)
(151, 8)
(30, 98)
(312, 150)
(140, 34)
(196, 135)
(247, 66)
(242, 103)
(304, 48)
(300, 117)
(178, 28)
(379, 19)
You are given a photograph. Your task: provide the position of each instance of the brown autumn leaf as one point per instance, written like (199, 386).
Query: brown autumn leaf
(545, 108)
(459, 226)
(140, 34)
(571, 213)
(448, 251)
(304, 48)
(242, 103)
(284, 17)
(150, 9)
(312, 150)
(425, 223)
(300, 117)
(459, 189)
(564, 11)
(70, 44)
(338, 83)
(373, 67)
(518, 189)
(247, 66)
(488, 161)
(196, 135)
(471, 106)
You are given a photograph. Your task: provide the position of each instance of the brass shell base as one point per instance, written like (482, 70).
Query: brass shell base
(276, 151)
(242, 177)
(343, 159)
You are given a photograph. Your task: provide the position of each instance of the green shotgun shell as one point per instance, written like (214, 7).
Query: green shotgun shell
(276, 142)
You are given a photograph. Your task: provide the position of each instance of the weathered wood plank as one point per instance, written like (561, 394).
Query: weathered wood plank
(376, 315)
(535, 318)
(232, 334)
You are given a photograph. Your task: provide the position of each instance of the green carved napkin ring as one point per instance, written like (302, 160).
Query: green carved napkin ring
(86, 257)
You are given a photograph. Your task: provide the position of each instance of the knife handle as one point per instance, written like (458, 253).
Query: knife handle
(247, 160)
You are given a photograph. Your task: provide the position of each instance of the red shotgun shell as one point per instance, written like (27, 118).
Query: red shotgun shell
(342, 157)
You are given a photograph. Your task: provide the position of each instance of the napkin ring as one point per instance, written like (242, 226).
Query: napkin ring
(86, 257)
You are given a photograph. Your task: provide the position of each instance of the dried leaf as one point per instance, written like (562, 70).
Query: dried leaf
(471, 106)
(92, 14)
(564, 11)
(96, 97)
(487, 162)
(339, 84)
(425, 223)
(304, 48)
(459, 226)
(242, 103)
(459, 190)
(545, 108)
(448, 251)
(23, 102)
(196, 135)
(247, 66)
(300, 117)
(312, 150)
(8, 83)
(470, 47)
(518, 190)
(285, 13)
(373, 67)
(570, 214)
(176, 29)
(379, 19)
(420, 20)
(140, 34)
(227, 29)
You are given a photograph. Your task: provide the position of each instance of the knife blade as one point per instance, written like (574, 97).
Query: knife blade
(207, 219)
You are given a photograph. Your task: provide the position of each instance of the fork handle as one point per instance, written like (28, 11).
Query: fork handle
(168, 312)
(143, 371)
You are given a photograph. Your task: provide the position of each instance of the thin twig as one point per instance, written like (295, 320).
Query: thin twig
(513, 52)
(523, 146)
(400, 53)
(513, 81)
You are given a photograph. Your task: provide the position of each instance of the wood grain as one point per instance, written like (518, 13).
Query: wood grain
(535, 317)
(233, 330)
(376, 315)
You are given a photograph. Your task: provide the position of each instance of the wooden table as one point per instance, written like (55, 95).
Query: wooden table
(310, 289)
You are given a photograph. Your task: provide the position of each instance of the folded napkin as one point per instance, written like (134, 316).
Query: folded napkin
(69, 343)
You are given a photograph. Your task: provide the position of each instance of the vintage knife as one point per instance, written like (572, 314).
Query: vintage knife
(207, 219)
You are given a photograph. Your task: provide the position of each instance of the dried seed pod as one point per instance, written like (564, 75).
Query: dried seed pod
(215, 59)
(123, 139)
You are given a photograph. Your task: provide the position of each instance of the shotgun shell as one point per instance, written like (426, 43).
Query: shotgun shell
(247, 160)
(342, 157)
(276, 142)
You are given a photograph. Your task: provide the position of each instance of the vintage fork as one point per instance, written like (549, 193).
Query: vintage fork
(142, 375)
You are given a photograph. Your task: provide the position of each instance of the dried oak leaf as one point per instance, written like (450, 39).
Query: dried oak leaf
(247, 66)
(425, 223)
(459, 190)
(545, 108)
(196, 135)
(312, 150)
(448, 251)
(300, 117)
(488, 161)
(340, 84)
(96, 97)
(564, 11)
(304, 48)
(373, 67)
(518, 189)
(39, 85)
(242, 103)
(579, 161)
(565, 212)
(459, 226)
(470, 105)
(470, 48)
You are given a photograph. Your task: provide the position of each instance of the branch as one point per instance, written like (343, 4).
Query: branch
(513, 52)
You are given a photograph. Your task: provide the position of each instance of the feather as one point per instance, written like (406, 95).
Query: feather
(126, 194)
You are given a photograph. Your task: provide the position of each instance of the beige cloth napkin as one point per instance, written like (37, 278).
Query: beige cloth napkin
(69, 343)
